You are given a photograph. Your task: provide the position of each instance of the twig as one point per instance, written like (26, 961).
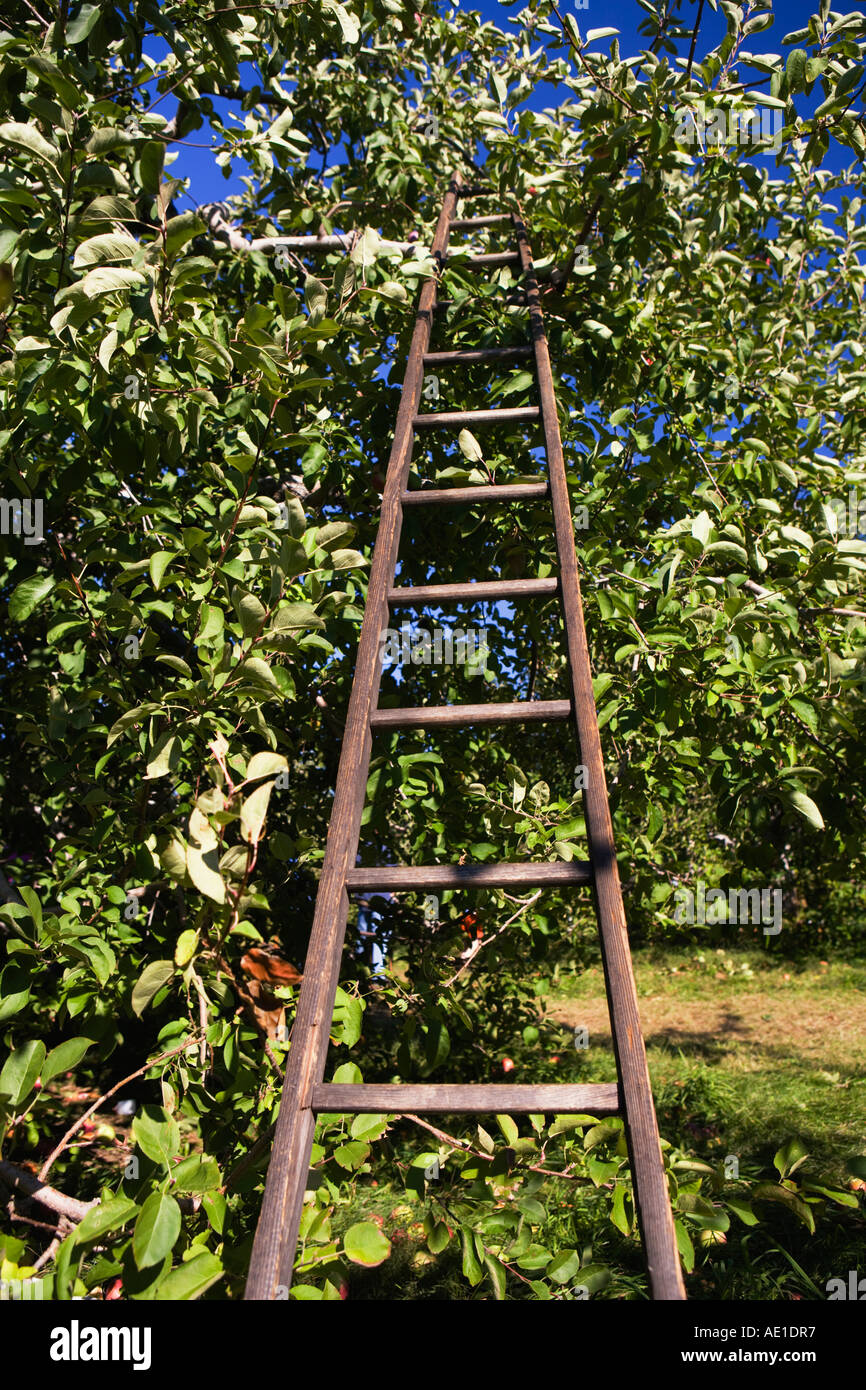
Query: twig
(615, 96)
(70, 1133)
(694, 40)
(49, 1253)
(487, 940)
(203, 1020)
(463, 1146)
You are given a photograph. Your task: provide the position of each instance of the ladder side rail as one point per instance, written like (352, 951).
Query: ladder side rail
(652, 1198)
(277, 1231)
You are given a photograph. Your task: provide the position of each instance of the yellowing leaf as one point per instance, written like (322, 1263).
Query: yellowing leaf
(253, 812)
(469, 446)
(266, 765)
(202, 869)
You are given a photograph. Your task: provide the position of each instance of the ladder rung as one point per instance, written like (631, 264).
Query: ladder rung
(476, 192)
(425, 716)
(460, 496)
(412, 596)
(411, 878)
(432, 359)
(492, 258)
(444, 419)
(600, 1098)
(461, 223)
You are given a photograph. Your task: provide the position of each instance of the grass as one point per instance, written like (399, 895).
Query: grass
(775, 1047)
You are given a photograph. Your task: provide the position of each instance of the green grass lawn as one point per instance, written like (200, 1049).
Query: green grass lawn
(763, 1048)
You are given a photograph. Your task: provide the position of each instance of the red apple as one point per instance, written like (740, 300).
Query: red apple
(507, 1064)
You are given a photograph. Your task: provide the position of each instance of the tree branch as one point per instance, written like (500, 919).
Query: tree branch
(487, 940)
(20, 1180)
(694, 40)
(70, 1133)
(318, 245)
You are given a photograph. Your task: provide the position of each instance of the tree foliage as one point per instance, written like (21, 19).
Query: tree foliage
(206, 427)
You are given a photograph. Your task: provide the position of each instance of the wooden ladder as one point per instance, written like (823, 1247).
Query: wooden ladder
(304, 1093)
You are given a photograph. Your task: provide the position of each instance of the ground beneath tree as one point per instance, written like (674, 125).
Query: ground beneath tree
(764, 1048)
(755, 1023)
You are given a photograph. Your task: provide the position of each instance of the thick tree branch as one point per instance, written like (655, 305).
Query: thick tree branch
(20, 1180)
(317, 245)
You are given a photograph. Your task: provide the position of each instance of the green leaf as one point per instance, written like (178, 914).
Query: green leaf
(14, 990)
(368, 1127)
(159, 563)
(107, 349)
(618, 1214)
(102, 280)
(108, 246)
(348, 1074)
(64, 1058)
(438, 1238)
(191, 1279)
(790, 1157)
(185, 947)
(198, 1173)
(348, 23)
(27, 137)
(685, 1246)
(365, 1244)
(392, 290)
(132, 716)
(471, 1267)
(601, 1133)
(347, 559)
(807, 808)
(33, 905)
(156, 1230)
(162, 758)
(743, 1210)
(27, 596)
(21, 1071)
(149, 983)
(351, 1156)
(251, 613)
(509, 1128)
(179, 230)
(498, 1275)
(770, 1192)
(265, 765)
(257, 670)
(156, 1134)
(83, 24)
(563, 1267)
(211, 623)
(150, 165)
(107, 1216)
(316, 297)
